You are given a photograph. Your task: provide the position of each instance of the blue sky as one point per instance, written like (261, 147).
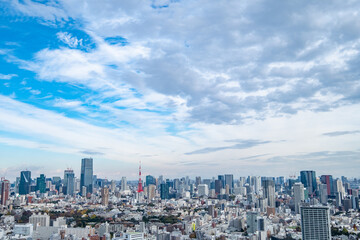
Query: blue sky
(187, 87)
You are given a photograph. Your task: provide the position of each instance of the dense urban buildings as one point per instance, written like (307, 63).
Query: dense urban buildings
(222, 207)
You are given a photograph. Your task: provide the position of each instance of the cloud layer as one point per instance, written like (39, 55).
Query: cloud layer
(176, 79)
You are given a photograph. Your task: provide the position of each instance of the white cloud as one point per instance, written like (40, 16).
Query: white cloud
(68, 39)
(215, 70)
(7, 76)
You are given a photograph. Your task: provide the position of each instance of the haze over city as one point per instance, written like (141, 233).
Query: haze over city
(188, 87)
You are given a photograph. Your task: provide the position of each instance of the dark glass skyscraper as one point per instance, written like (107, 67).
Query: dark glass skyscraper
(150, 180)
(222, 179)
(41, 183)
(25, 181)
(69, 182)
(164, 191)
(308, 178)
(86, 177)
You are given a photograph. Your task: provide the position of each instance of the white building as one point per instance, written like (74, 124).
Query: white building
(39, 219)
(298, 196)
(23, 229)
(203, 190)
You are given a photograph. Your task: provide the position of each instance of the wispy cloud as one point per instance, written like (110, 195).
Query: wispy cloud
(7, 76)
(340, 133)
(70, 40)
(242, 144)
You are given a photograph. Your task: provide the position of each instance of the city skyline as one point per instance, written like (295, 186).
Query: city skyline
(251, 88)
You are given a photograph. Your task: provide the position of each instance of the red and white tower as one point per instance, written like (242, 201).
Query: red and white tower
(140, 188)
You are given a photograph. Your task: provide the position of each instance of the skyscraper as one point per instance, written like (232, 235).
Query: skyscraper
(298, 196)
(315, 223)
(69, 182)
(229, 180)
(308, 178)
(25, 181)
(269, 192)
(218, 186)
(105, 196)
(164, 191)
(328, 180)
(86, 177)
(5, 187)
(123, 184)
(197, 181)
(222, 179)
(150, 180)
(41, 183)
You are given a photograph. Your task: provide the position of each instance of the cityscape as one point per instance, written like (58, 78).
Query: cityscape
(179, 120)
(82, 206)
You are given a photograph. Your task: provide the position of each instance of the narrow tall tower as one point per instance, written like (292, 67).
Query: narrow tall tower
(140, 188)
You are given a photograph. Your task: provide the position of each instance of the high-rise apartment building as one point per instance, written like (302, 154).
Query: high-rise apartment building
(151, 191)
(123, 184)
(315, 223)
(5, 189)
(69, 182)
(105, 196)
(25, 182)
(308, 178)
(86, 177)
(38, 219)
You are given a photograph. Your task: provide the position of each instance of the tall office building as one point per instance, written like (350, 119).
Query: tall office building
(197, 181)
(218, 186)
(25, 181)
(315, 223)
(222, 179)
(41, 183)
(150, 180)
(229, 180)
(269, 192)
(203, 190)
(308, 178)
(69, 182)
(176, 184)
(164, 191)
(105, 196)
(328, 180)
(5, 189)
(86, 177)
(255, 183)
(298, 196)
(123, 184)
(323, 190)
